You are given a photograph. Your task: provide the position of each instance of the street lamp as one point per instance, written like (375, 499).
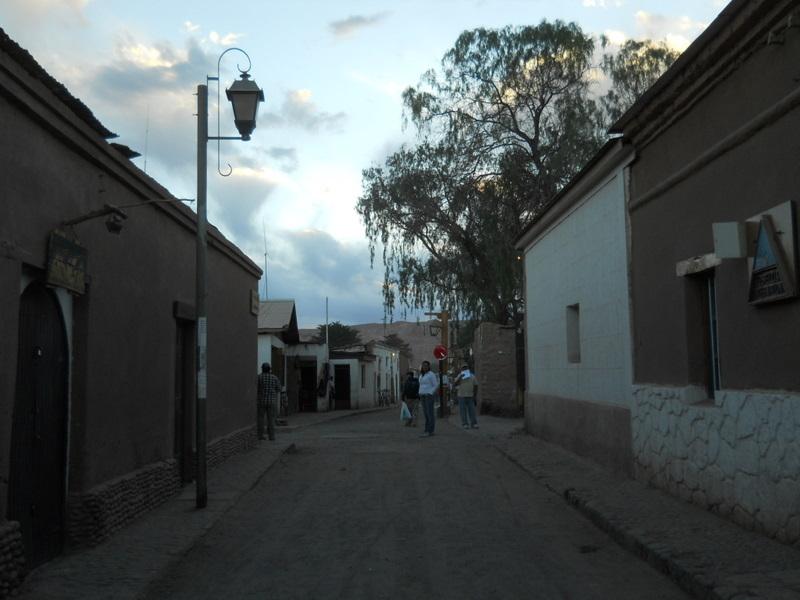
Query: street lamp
(245, 96)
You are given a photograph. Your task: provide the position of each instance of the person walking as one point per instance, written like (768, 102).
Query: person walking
(269, 391)
(411, 397)
(428, 385)
(467, 388)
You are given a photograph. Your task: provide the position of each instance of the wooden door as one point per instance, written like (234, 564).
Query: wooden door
(37, 479)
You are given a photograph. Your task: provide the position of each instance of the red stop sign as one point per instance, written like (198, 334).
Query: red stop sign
(440, 352)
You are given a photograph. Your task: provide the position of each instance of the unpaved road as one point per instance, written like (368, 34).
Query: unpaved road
(365, 509)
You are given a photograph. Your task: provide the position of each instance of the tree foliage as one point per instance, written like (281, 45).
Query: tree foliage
(503, 125)
(395, 341)
(632, 70)
(339, 335)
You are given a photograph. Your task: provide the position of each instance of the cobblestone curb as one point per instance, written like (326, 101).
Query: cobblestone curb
(706, 555)
(12, 557)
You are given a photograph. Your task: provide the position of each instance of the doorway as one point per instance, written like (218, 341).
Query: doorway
(183, 449)
(341, 386)
(308, 387)
(37, 481)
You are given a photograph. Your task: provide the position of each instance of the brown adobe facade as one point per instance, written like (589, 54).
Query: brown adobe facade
(96, 355)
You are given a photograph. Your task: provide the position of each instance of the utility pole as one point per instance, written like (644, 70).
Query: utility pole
(444, 318)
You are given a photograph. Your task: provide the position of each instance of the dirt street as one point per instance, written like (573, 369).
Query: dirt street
(366, 509)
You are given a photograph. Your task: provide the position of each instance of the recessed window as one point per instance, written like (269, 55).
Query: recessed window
(574, 333)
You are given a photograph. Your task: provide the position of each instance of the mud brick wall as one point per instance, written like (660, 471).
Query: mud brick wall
(495, 367)
(12, 557)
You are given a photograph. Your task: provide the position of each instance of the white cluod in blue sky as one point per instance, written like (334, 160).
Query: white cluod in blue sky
(332, 74)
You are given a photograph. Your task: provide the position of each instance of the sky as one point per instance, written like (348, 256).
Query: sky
(332, 74)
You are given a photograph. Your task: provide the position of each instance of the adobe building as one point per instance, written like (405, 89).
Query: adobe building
(97, 339)
(577, 326)
(498, 361)
(365, 375)
(714, 277)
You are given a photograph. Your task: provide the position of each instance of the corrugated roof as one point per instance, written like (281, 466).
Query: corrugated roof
(275, 315)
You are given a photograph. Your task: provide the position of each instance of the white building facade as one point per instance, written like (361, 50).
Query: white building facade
(578, 333)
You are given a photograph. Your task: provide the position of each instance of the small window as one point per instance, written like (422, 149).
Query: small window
(574, 333)
(363, 377)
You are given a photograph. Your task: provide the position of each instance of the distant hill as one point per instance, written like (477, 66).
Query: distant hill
(417, 335)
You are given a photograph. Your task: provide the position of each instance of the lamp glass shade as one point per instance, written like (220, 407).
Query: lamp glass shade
(245, 96)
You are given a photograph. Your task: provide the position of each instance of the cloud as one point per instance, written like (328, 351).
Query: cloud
(677, 32)
(34, 12)
(602, 3)
(224, 40)
(615, 37)
(298, 110)
(310, 265)
(190, 27)
(239, 199)
(285, 157)
(388, 87)
(349, 26)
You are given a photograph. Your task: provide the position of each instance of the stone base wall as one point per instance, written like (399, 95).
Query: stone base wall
(95, 515)
(599, 432)
(12, 557)
(738, 456)
(494, 352)
(221, 449)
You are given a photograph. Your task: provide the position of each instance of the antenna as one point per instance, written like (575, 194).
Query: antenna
(146, 136)
(264, 225)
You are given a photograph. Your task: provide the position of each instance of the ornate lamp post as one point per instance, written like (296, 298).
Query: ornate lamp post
(245, 96)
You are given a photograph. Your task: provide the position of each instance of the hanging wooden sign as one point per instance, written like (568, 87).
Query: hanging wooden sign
(66, 263)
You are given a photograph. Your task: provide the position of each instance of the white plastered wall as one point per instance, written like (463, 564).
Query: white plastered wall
(582, 259)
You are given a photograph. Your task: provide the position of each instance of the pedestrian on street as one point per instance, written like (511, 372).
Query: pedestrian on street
(269, 390)
(428, 385)
(467, 389)
(411, 397)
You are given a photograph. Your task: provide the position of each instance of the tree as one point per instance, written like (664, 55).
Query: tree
(395, 341)
(339, 335)
(502, 127)
(504, 124)
(632, 70)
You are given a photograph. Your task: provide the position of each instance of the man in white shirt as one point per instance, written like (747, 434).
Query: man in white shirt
(428, 385)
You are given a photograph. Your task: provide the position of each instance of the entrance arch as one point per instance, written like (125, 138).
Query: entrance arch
(36, 496)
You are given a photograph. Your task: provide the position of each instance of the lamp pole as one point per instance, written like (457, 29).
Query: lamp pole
(245, 97)
(200, 296)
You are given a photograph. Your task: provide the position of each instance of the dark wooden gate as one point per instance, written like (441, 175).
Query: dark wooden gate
(308, 387)
(38, 439)
(184, 398)
(341, 386)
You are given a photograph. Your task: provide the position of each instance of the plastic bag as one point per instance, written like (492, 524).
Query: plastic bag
(405, 413)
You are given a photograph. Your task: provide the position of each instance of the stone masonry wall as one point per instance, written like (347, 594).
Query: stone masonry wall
(12, 557)
(95, 515)
(738, 457)
(494, 352)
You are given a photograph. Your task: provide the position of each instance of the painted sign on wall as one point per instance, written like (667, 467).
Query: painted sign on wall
(66, 263)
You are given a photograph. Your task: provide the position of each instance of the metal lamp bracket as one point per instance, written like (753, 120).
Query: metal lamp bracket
(218, 137)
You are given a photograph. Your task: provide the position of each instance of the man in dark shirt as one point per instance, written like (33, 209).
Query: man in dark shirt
(269, 391)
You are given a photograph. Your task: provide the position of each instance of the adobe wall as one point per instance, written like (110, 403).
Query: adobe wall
(494, 355)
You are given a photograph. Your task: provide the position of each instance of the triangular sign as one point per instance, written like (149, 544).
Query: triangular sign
(769, 278)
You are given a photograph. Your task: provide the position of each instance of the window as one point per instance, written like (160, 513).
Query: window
(702, 340)
(363, 377)
(574, 333)
(713, 339)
